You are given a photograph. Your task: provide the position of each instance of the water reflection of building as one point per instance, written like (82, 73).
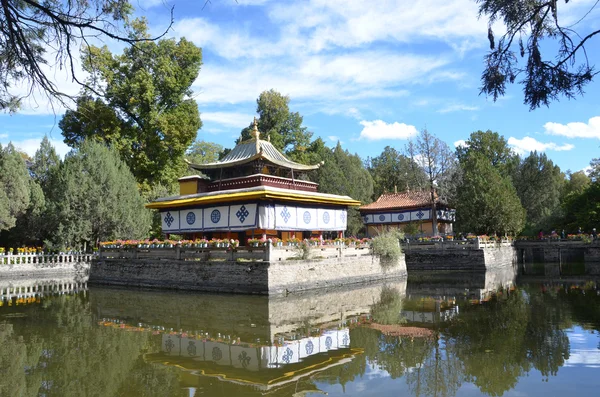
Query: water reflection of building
(254, 357)
(252, 342)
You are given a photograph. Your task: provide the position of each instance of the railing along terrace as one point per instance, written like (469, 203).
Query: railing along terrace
(262, 252)
(469, 244)
(44, 258)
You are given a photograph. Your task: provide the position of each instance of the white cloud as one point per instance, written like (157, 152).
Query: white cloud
(3, 136)
(354, 113)
(228, 119)
(30, 146)
(333, 138)
(324, 78)
(378, 129)
(576, 129)
(457, 107)
(351, 23)
(528, 144)
(460, 142)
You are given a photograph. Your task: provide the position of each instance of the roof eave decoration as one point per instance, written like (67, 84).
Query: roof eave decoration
(245, 195)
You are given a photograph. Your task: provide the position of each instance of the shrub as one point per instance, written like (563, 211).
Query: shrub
(303, 250)
(386, 246)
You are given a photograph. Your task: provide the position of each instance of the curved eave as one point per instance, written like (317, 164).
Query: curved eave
(243, 196)
(284, 164)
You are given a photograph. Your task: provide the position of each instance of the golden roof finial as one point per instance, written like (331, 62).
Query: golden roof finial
(256, 134)
(255, 131)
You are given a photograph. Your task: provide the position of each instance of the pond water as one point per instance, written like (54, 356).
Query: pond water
(465, 335)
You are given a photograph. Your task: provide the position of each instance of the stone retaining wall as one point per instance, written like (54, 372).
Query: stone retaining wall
(460, 260)
(244, 277)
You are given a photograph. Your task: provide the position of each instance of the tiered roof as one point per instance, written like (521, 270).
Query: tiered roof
(254, 149)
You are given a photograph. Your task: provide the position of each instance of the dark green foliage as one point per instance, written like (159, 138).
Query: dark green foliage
(529, 23)
(393, 170)
(539, 185)
(487, 201)
(583, 210)
(344, 174)
(30, 227)
(94, 197)
(146, 111)
(491, 146)
(283, 127)
(44, 163)
(14, 187)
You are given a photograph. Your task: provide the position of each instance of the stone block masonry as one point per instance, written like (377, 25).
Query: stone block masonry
(460, 260)
(269, 278)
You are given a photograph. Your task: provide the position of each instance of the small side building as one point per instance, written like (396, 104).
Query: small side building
(253, 192)
(398, 210)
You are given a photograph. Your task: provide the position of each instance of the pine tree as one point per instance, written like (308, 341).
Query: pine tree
(14, 187)
(94, 197)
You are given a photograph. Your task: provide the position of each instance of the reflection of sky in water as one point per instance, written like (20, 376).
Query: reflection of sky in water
(584, 349)
(579, 376)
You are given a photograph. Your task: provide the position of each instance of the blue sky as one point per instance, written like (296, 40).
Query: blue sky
(369, 76)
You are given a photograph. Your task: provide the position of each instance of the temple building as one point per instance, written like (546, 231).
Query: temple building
(253, 192)
(397, 210)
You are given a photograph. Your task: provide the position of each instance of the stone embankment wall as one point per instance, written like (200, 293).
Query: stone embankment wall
(558, 251)
(273, 277)
(460, 260)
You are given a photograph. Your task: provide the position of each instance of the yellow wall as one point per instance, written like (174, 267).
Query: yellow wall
(188, 187)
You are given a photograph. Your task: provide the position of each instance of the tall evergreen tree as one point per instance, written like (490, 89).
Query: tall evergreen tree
(94, 197)
(14, 186)
(45, 161)
(492, 146)
(344, 174)
(391, 170)
(487, 201)
(539, 184)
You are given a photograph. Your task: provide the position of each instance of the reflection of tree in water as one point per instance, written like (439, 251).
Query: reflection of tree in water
(83, 359)
(504, 338)
(584, 303)
(387, 310)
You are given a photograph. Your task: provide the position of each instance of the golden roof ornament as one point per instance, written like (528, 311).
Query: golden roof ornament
(256, 134)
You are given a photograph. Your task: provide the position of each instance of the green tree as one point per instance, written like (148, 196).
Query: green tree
(146, 110)
(528, 23)
(30, 226)
(492, 146)
(539, 185)
(283, 127)
(202, 152)
(583, 209)
(577, 183)
(14, 187)
(94, 197)
(391, 170)
(344, 174)
(487, 201)
(45, 161)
